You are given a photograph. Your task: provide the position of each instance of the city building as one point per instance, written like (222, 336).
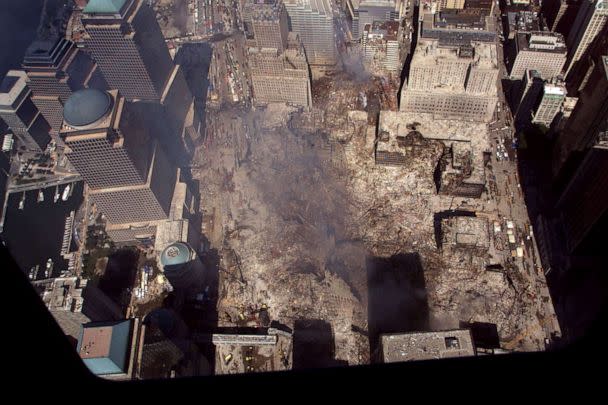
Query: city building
(277, 60)
(313, 22)
(560, 15)
(580, 165)
(550, 104)
(590, 20)
(280, 77)
(452, 82)
(581, 71)
(183, 268)
(522, 22)
(401, 347)
(110, 144)
(585, 122)
(364, 12)
(544, 52)
(454, 26)
(112, 350)
(269, 24)
(238, 353)
(55, 69)
(380, 46)
(125, 40)
(21, 114)
(74, 301)
(451, 4)
(532, 88)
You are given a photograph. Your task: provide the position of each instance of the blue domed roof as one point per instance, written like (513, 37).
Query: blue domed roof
(175, 253)
(86, 106)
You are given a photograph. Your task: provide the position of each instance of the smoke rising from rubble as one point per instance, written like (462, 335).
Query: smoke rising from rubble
(353, 64)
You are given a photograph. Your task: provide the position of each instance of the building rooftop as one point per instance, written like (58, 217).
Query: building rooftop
(426, 345)
(104, 6)
(387, 29)
(104, 346)
(236, 354)
(86, 106)
(12, 86)
(540, 41)
(176, 253)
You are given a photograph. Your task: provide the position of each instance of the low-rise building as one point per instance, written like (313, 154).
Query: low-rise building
(400, 347)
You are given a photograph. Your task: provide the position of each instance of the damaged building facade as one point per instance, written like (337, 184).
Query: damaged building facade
(277, 61)
(452, 82)
(460, 169)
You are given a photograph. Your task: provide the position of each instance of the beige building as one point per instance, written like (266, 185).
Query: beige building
(544, 52)
(590, 20)
(452, 82)
(380, 46)
(277, 61)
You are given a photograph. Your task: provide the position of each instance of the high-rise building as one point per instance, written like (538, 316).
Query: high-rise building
(585, 123)
(277, 61)
(183, 268)
(560, 15)
(532, 87)
(269, 24)
(544, 52)
(125, 39)
(590, 20)
(581, 71)
(112, 349)
(456, 82)
(21, 114)
(363, 12)
(313, 22)
(55, 69)
(451, 4)
(109, 143)
(550, 104)
(380, 46)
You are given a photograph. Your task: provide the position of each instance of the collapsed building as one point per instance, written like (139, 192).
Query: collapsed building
(463, 147)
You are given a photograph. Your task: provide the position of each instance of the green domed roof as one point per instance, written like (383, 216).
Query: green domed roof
(84, 107)
(175, 253)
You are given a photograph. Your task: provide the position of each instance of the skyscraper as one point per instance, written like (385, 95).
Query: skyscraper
(363, 12)
(124, 38)
(279, 70)
(55, 68)
(269, 24)
(109, 143)
(20, 113)
(313, 22)
(590, 20)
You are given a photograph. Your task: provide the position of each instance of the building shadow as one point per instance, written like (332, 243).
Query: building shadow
(485, 335)
(200, 314)
(119, 276)
(314, 345)
(397, 297)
